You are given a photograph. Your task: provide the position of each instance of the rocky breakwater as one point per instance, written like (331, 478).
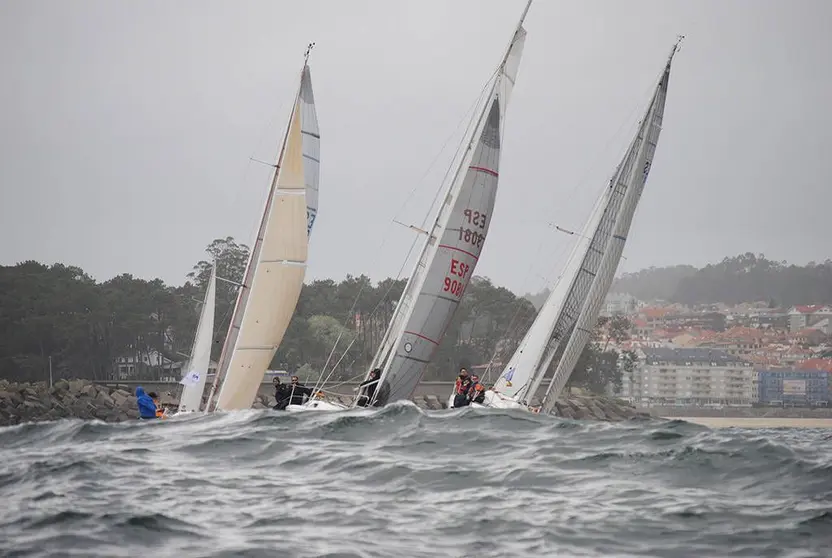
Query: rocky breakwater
(29, 402)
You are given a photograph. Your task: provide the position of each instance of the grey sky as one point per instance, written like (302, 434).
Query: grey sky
(126, 127)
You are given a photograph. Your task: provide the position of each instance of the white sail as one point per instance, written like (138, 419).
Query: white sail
(526, 368)
(453, 246)
(646, 140)
(200, 359)
(311, 138)
(273, 279)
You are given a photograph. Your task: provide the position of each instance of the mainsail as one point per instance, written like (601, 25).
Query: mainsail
(273, 279)
(452, 248)
(197, 372)
(639, 161)
(554, 322)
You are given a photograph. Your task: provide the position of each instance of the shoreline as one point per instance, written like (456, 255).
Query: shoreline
(756, 422)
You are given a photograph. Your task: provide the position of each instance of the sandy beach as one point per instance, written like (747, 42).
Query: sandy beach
(757, 422)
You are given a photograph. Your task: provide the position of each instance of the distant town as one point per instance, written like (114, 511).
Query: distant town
(717, 355)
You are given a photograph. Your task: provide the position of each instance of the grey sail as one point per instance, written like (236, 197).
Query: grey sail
(526, 368)
(452, 248)
(638, 166)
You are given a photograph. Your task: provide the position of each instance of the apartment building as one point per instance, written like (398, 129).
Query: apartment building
(670, 376)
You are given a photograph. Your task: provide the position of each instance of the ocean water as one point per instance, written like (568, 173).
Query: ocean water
(401, 482)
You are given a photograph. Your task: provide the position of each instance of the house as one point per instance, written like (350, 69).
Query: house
(132, 365)
(801, 317)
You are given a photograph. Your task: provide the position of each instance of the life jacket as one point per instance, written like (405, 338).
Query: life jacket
(477, 395)
(462, 386)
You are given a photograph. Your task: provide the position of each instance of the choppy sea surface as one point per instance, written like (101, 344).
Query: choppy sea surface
(402, 482)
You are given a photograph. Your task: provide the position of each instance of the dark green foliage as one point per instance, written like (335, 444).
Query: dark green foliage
(85, 326)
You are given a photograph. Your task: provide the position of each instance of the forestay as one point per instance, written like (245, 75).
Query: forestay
(526, 368)
(453, 246)
(638, 167)
(274, 276)
(194, 378)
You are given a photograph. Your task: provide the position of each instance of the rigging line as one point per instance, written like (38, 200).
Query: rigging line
(335, 366)
(466, 116)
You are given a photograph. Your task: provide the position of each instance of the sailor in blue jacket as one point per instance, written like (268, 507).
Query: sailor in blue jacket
(147, 408)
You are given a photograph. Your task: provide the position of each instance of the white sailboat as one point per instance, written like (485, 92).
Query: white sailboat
(639, 163)
(194, 378)
(572, 307)
(450, 252)
(274, 275)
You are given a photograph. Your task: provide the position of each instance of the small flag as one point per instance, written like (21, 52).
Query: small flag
(509, 374)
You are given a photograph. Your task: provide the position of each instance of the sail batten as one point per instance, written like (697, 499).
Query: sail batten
(274, 275)
(559, 319)
(648, 135)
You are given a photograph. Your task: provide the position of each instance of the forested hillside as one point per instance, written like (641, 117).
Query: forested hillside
(743, 278)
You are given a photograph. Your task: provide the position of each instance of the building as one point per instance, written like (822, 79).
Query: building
(798, 388)
(135, 364)
(801, 317)
(669, 376)
(620, 304)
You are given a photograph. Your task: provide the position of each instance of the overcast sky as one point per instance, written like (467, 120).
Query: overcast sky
(126, 128)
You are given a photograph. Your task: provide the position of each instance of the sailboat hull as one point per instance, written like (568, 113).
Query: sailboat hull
(317, 405)
(494, 400)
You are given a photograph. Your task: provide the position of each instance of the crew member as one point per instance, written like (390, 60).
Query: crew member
(297, 391)
(147, 408)
(461, 389)
(367, 388)
(478, 393)
(281, 395)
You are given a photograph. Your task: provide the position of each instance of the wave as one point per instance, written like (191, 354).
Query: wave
(404, 481)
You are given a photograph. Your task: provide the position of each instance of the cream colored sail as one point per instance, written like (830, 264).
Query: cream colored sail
(274, 276)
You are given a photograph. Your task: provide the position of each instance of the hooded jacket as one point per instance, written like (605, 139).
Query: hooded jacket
(147, 408)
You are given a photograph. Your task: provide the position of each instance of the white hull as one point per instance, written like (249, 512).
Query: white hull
(317, 405)
(494, 400)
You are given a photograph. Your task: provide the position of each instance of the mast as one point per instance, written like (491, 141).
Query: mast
(254, 256)
(388, 339)
(648, 136)
(435, 287)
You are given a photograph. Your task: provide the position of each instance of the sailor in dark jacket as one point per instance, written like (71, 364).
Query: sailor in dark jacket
(281, 395)
(367, 388)
(296, 392)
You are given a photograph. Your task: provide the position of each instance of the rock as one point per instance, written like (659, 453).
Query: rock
(60, 386)
(105, 398)
(88, 391)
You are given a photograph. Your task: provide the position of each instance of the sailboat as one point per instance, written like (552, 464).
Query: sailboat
(273, 278)
(194, 378)
(572, 308)
(450, 251)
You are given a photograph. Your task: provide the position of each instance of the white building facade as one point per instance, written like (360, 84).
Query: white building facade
(688, 377)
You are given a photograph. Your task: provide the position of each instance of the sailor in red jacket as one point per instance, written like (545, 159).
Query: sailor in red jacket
(461, 388)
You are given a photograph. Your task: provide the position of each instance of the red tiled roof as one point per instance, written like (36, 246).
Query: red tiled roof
(817, 364)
